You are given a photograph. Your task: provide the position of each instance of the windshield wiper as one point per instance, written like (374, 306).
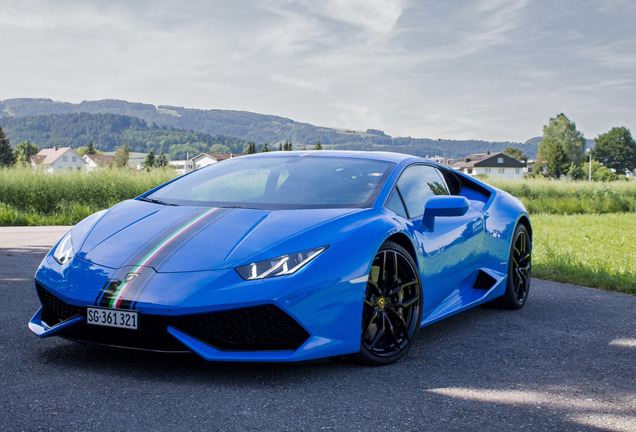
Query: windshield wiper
(156, 201)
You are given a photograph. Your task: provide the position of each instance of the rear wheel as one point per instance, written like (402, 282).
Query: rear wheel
(519, 271)
(392, 308)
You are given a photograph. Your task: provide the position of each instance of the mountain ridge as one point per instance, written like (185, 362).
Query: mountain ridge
(259, 128)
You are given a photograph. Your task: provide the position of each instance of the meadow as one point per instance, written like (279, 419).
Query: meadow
(581, 197)
(584, 233)
(594, 250)
(29, 197)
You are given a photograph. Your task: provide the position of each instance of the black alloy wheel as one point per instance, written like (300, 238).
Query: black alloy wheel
(392, 309)
(519, 271)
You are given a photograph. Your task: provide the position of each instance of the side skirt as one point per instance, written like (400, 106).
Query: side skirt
(467, 296)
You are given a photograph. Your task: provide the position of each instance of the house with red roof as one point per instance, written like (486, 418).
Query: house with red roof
(94, 161)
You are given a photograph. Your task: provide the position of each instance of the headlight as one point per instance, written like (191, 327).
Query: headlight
(64, 250)
(283, 265)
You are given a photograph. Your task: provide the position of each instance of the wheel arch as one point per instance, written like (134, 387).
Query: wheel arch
(525, 221)
(404, 241)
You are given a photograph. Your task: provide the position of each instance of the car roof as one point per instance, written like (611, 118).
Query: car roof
(380, 156)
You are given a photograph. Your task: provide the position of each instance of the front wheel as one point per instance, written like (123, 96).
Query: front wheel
(392, 309)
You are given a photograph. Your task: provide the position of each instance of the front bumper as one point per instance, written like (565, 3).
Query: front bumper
(215, 314)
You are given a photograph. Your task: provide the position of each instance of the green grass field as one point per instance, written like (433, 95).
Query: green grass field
(592, 250)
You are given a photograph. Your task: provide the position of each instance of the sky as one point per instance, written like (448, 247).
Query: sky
(494, 70)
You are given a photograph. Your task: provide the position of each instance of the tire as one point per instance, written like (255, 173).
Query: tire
(519, 271)
(392, 309)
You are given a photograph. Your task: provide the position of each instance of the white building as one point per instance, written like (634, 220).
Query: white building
(182, 166)
(205, 159)
(437, 158)
(496, 165)
(92, 162)
(57, 159)
(199, 161)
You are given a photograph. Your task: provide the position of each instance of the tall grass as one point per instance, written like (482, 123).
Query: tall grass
(580, 197)
(30, 197)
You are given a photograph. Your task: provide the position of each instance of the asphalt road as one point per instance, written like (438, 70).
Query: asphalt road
(565, 362)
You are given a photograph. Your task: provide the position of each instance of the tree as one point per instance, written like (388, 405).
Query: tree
(162, 160)
(220, 148)
(576, 172)
(603, 173)
(599, 172)
(515, 153)
(120, 159)
(318, 145)
(251, 148)
(183, 151)
(24, 151)
(557, 161)
(288, 146)
(88, 150)
(150, 160)
(561, 145)
(265, 148)
(616, 150)
(7, 157)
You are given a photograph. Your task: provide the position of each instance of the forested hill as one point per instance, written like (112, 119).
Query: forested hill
(259, 128)
(109, 131)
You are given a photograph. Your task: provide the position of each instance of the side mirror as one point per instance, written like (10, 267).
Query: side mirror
(443, 205)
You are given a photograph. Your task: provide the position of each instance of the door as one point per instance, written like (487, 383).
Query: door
(451, 250)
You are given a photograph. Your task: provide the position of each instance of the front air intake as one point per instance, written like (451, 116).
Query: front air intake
(54, 310)
(255, 328)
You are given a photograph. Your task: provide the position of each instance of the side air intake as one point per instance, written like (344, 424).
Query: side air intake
(484, 281)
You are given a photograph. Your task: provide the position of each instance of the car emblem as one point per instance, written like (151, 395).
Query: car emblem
(382, 303)
(131, 277)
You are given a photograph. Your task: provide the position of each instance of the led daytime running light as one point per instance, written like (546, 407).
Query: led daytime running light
(64, 250)
(280, 266)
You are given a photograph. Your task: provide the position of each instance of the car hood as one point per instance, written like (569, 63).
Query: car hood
(182, 238)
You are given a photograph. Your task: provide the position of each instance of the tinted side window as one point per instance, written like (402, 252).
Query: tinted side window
(417, 184)
(395, 203)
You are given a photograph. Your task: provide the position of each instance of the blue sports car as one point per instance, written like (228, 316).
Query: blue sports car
(288, 256)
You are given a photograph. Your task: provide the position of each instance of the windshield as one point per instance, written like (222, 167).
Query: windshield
(295, 182)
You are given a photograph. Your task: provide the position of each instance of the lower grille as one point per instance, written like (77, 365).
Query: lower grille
(255, 328)
(150, 335)
(259, 328)
(54, 310)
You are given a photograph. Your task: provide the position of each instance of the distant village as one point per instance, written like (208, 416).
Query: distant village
(493, 165)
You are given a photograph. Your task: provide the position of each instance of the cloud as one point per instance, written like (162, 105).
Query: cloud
(316, 85)
(377, 16)
(615, 54)
(490, 69)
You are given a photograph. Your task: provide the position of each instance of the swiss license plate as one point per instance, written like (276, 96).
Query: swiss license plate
(112, 318)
